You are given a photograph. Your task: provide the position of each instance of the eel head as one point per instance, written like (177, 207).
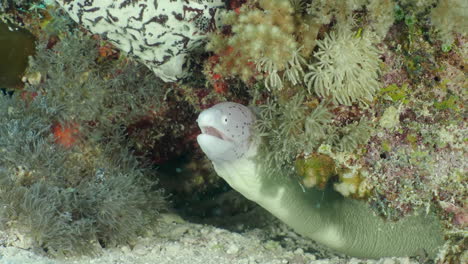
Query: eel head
(226, 131)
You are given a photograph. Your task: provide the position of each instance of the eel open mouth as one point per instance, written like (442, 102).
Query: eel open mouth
(208, 130)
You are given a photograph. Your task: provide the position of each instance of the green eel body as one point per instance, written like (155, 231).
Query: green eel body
(344, 225)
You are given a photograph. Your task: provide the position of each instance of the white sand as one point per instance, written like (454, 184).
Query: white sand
(180, 242)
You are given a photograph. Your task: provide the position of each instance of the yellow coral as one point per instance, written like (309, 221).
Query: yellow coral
(315, 169)
(352, 184)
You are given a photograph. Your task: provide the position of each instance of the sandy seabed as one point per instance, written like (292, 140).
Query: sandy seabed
(182, 242)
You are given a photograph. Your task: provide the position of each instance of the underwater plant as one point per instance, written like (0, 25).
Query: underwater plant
(70, 182)
(74, 71)
(69, 200)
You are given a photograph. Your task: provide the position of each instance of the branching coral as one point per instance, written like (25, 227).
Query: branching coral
(347, 68)
(324, 10)
(289, 30)
(277, 24)
(315, 125)
(253, 29)
(349, 137)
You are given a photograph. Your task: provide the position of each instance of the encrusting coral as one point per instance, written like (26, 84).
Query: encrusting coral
(315, 170)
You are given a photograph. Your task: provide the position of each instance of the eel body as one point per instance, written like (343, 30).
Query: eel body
(344, 225)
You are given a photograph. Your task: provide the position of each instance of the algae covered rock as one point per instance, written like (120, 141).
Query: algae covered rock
(16, 45)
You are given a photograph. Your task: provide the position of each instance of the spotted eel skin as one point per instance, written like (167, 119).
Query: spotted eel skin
(160, 33)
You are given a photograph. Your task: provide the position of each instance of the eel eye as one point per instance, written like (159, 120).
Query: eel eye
(225, 120)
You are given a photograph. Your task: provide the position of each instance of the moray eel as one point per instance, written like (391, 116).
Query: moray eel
(344, 225)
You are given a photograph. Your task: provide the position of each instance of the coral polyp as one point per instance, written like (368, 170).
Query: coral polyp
(347, 68)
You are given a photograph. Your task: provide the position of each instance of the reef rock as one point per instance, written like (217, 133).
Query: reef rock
(160, 33)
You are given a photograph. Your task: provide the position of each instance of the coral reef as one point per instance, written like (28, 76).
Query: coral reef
(383, 86)
(376, 87)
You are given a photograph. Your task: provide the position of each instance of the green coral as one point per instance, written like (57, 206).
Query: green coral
(449, 17)
(349, 137)
(315, 170)
(71, 72)
(381, 15)
(69, 201)
(325, 10)
(347, 68)
(452, 103)
(300, 125)
(395, 93)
